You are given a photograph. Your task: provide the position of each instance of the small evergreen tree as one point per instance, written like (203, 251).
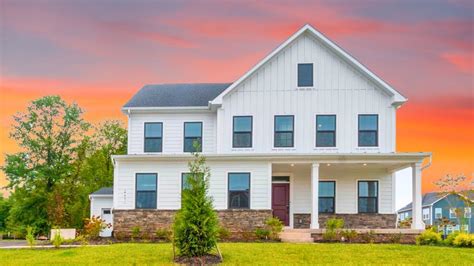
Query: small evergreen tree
(196, 224)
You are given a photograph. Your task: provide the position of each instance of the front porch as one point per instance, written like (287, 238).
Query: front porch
(359, 191)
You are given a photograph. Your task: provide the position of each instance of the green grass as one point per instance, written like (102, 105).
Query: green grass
(247, 253)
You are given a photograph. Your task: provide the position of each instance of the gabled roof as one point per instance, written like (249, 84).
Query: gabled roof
(432, 197)
(103, 191)
(398, 99)
(176, 95)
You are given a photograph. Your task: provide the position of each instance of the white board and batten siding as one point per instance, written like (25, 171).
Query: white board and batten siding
(173, 131)
(169, 182)
(338, 89)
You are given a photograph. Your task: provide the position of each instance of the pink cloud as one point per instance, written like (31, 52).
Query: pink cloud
(464, 62)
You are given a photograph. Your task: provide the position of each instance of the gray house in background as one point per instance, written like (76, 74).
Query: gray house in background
(437, 205)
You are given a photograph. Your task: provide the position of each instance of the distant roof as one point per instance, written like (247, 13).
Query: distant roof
(176, 95)
(432, 197)
(104, 191)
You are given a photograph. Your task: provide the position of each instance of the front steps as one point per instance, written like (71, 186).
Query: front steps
(296, 236)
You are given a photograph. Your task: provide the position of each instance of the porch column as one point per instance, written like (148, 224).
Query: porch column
(315, 196)
(417, 222)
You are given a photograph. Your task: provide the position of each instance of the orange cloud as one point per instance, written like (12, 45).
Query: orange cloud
(464, 62)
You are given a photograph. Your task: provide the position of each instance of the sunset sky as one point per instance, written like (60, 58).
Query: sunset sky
(99, 53)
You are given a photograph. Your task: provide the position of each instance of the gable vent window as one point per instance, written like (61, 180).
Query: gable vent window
(153, 137)
(325, 131)
(368, 130)
(192, 136)
(242, 136)
(305, 75)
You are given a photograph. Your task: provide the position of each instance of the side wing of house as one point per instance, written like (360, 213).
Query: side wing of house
(455, 209)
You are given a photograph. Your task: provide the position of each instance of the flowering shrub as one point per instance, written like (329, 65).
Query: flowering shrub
(428, 237)
(93, 226)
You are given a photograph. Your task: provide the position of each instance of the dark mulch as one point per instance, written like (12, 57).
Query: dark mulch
(204, 260)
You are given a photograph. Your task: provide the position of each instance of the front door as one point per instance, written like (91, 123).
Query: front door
(281, 202)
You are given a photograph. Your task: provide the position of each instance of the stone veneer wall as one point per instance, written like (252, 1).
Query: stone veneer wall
(356, 220)
(236, 221)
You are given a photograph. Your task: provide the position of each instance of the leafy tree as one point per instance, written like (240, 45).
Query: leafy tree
(196, 224)
(5, 206)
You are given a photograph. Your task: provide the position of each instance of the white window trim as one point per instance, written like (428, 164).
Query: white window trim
(452, 213)
(314, 75)
(467, 212)
(440, 213)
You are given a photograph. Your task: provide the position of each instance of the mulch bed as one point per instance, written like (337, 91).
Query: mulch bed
(204, 260)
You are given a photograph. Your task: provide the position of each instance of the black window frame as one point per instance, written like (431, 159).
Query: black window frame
(228, 190)
(275, 132)
(182, 179)
(156, 191)
(367, 197)
(145, 137)
(242, 132)
(298, 75)
(200, 138)
(325, 197)
(368, 131)
(326, 131)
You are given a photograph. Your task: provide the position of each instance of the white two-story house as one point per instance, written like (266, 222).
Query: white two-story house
(307, 134)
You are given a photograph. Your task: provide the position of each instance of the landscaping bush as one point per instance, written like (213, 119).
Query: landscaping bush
(262, 233)
(428, 237)
(349, 235)
(464, 240)
(57, 239)
(136, 230)
(196, 224)
(450, 238)
(223, 233)
(164, 234)
(93, 226)
(369, 237)
(30, 237)
(395, 238)
(333, 226)
(275, 226)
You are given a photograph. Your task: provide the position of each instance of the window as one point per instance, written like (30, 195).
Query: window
(192, 135)
(438, 213)
(146, 191)
(242, 136)
(305, 75)
(239, 190)
(327, 194)
(153, 137)
(467, 212)
(284, 131)
(452, 213)
(325, 131)
(184, 180)
(105, 212)
(368, 196)
(426, 214)
(402, 216)
(368, 130)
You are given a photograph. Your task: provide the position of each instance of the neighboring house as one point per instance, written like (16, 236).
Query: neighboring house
(101, 206)
(438, 205)
(307, 134)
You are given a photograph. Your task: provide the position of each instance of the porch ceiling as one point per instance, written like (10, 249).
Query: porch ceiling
(345, 166)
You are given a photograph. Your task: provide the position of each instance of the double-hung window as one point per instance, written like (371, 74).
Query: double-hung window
(467, 212)
(242, 132)
(284, 131)
(192, 136)
(239, 190)
(368, 130)
(153, 137)
(146, 191)
(426, 214)
(327, 196)
(325, 131)
(305, 75)
(438, 213)
(452, 213)
(368, 196)
(185, 181)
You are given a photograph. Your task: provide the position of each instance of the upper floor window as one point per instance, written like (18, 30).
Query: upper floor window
(153, 137)
(325, 131)
(192, 136)
(452, 213)
(368, 130)
(145, 196)
(327, 195)
(239, 190)
(305, 75)
(438, 213)
(242, 132)
(284, 131)
(368, 196)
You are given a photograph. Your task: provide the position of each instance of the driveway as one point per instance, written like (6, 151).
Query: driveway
(11, 243)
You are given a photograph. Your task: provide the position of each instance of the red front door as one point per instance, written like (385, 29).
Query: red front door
(281, 202)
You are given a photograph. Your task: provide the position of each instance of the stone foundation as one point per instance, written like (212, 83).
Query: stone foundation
(356, 220)
(238, 222)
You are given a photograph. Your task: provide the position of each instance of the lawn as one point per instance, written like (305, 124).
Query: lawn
(247, 253)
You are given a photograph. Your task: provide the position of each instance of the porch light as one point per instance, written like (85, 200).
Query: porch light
(292, 164)
(364, 164)
(328, 164)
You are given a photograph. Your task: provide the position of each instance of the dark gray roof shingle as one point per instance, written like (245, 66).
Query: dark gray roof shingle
(430, 198)
(104, 191)
(176, 95)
